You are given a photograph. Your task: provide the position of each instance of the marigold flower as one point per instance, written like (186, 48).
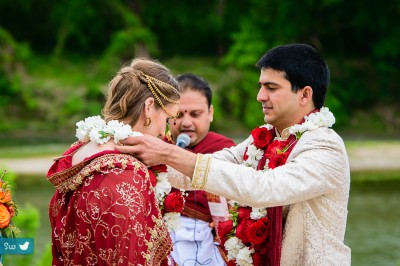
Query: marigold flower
(5, 216)
(11, 210)
(5, 195)
(7, 209)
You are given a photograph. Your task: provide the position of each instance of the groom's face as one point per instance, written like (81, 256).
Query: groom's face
(280, 105)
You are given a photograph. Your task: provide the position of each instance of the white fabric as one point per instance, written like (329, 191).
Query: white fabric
(194, 244)
(313, 186)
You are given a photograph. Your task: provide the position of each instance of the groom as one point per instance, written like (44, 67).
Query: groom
(295, 166)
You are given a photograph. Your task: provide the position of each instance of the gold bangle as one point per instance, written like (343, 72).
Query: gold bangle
(201, 170)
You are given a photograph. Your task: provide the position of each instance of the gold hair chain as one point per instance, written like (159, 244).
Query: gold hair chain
(154, 90)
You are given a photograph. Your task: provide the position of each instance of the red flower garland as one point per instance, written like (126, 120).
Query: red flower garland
(174, 202)
(171, 202)
(255, 233)
(262, 137)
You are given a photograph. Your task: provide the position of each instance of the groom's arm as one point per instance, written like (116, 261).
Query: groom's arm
(318, 165)
(153, 151)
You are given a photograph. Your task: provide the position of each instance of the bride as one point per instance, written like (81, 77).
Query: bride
(104, 210)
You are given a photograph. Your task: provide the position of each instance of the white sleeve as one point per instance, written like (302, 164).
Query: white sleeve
(179, 180)
(317, 165)
(233, 154)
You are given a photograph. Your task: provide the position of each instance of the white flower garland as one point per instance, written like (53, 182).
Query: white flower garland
(95, 129)
(244, 257)
(256, 213)
(239, 252)
(236, 249)
(162, 189)
(233, 245)
(254, 153)
(323, 118)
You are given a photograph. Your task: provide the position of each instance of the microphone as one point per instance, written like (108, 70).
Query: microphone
(183, 140)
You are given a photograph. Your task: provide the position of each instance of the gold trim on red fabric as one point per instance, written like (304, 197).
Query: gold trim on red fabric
(74, 176)
(159, 245)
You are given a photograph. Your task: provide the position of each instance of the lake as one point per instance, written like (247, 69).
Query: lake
(373, 228)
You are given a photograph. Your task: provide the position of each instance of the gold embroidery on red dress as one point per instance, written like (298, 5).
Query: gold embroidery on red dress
(99, 205)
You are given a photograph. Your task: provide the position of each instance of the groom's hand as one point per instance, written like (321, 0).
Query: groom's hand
(152, 151)
(148, 149)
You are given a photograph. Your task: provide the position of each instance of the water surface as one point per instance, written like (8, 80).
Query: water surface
(373, 227)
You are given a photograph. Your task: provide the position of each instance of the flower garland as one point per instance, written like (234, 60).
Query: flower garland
(171, 204)
(8, 210)
(94, 128)
(263, 136)
(245, 234)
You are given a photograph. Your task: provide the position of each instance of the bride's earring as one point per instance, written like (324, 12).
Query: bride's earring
(147, 123)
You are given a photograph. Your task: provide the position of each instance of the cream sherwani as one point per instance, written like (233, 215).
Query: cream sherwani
(313, 186)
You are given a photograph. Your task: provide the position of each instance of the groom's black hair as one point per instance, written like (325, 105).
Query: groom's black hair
(302, 66)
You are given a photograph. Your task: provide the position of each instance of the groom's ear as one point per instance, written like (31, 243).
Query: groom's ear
(306, 95)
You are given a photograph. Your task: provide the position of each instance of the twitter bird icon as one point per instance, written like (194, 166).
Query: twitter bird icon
(16, 245)
(24, 246)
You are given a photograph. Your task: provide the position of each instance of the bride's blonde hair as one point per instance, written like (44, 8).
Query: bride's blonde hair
(133, 84)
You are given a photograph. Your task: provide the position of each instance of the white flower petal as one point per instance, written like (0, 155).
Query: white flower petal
(233, 245)
(244, 257)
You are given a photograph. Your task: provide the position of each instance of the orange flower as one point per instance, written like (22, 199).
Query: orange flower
(5, 195)
(5, 216)
(12, 210)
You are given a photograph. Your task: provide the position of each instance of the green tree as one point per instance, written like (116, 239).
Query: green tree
(338, 29)
(17, 97)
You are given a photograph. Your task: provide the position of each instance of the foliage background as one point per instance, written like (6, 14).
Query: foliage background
(56, 57)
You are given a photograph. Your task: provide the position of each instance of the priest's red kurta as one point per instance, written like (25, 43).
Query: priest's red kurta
(104, 212)
(196, 203)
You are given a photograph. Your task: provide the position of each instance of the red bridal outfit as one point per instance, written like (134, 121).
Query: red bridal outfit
(104, 212)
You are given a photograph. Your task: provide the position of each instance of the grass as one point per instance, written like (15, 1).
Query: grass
(384, 143)
(32, 151)
(366, 176)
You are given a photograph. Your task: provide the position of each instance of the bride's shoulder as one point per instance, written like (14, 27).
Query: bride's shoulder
(90, 149)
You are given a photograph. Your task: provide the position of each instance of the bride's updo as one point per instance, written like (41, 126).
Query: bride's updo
(135, 83)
